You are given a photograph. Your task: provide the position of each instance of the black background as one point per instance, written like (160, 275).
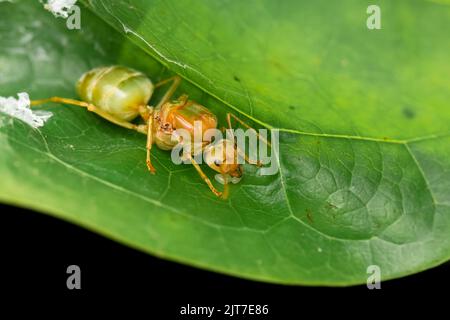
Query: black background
(38, 248)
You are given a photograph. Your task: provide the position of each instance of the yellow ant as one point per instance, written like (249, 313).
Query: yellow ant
(120, 94)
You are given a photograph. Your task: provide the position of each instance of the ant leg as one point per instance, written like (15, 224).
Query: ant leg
(169, 93)
(206, 179)
(225, 186)
(150, 142)
(229, 115)
(257, 163)
(246, 158)
(92, 108)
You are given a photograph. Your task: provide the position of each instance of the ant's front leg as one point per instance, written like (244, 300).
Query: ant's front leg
(229, 115)
(204, 177)
(240, 152)
(150, 141)
(207, 180)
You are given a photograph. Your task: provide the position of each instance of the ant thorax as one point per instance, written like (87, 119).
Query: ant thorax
(181, 114)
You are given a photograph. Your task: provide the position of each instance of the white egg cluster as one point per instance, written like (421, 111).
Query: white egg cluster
(20, 109)
(59, 8)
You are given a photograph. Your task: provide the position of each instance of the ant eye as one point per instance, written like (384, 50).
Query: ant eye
(217, 162)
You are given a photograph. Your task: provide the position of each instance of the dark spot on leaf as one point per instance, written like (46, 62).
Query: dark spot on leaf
(292, 107)
(236, 79)
(309, 215)
(409, 113)
(330, 206)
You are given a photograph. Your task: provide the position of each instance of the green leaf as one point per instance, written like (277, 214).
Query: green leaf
(364, 133)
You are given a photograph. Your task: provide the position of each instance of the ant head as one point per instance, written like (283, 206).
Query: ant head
(222, 156)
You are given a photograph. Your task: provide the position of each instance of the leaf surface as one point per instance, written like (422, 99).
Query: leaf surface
(364, 133)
